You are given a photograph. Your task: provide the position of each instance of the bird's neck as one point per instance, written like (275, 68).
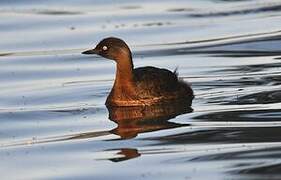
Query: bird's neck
(124, 86)
(124, 71)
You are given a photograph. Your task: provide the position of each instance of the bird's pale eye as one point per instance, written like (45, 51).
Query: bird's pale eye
(104, 48)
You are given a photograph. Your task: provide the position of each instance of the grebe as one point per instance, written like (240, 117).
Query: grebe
(142, 86)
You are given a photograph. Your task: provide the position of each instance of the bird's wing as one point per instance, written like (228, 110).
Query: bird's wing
(151, 81)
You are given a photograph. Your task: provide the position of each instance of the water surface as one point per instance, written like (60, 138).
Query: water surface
(54, 124)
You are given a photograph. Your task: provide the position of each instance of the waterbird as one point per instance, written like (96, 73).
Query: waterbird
(143, 86)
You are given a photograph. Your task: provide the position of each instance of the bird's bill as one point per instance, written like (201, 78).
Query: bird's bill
(90, 51)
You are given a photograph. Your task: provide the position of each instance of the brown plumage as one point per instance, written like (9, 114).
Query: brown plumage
(140, 86)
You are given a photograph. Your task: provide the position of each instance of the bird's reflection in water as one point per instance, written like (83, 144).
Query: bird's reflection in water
(126, 154)
(134, 120)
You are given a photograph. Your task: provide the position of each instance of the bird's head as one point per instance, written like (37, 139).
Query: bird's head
(111, 48)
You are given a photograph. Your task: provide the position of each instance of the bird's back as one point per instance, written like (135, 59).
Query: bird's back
(152, 82)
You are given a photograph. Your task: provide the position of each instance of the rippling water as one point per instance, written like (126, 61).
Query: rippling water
(54, 124)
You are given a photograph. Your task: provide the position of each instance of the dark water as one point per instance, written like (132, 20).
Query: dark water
(54, 124)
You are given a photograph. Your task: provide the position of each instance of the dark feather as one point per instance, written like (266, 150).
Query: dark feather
(155, 82)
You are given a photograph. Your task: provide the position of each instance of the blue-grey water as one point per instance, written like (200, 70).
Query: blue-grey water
(53, 121)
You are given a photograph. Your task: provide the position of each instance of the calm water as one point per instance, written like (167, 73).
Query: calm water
(54, 124)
